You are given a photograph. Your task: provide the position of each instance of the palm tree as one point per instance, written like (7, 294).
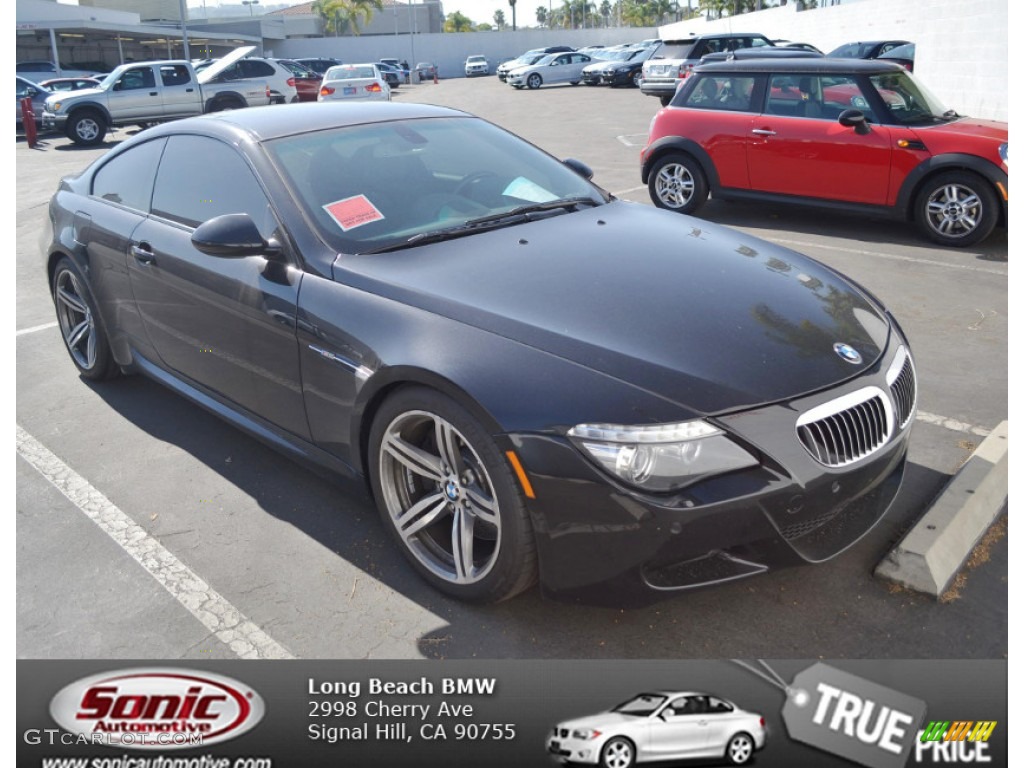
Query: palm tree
(605, 11)
(345, 16)
(499, 19)
(542, 15)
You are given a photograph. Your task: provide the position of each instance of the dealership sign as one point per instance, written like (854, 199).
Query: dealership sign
(157, 708)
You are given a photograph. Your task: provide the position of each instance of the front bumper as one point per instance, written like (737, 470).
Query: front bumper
(575, 750)
(477, 71)
(52, 121)
(599, 540)
(616, 78)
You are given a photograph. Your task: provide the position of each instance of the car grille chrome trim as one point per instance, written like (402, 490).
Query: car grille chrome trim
(902, 380)
(848, 429)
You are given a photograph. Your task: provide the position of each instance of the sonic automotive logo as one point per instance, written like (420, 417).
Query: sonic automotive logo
(157, 708)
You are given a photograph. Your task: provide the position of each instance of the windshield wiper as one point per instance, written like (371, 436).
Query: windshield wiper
(484, 223)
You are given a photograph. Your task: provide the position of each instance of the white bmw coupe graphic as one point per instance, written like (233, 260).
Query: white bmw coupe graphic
(660, 725)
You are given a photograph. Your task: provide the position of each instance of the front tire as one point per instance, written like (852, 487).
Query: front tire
(80, 324)
(87, 128)
(638, 78)
(449, 498)
(677, 183)
(618, 753)
(957, 208)
(534, 81)
(740, 749)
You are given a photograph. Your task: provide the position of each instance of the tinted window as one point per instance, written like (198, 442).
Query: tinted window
(200, 178)
(135, 79)
(732, 92)
(674, 50)
(174, 74)
(128, 178)
(252, 68)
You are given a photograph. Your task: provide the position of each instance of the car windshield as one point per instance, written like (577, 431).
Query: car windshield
(643, 705)
(380, 185)
(852, 51)
(909, 101)
(475, 59)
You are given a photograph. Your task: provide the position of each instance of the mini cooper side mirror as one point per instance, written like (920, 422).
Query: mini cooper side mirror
(854, 118)
(580, 167)
(232, 236)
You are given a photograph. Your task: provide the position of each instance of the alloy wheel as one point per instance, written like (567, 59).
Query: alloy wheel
(954, 210)
(740, 749)
(439, 497)
(674, 185)
(76, 321)
(618, 754)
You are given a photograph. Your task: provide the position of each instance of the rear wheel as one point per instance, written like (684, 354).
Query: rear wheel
(449, 498)
(957, 208)
(740, 749)
(665, 100)
(677, 183)
(80, 323)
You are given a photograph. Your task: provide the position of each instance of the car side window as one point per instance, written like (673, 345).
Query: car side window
(201, 178)
(136, 79)
(174, 74)
(127, 179)
(251, 68)
(717, 706)
(730, 92)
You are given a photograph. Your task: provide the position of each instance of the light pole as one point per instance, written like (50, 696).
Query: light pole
(250, 3)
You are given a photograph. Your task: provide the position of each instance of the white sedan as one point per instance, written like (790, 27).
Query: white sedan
(661, 725)
(354, 82)
(553, 68)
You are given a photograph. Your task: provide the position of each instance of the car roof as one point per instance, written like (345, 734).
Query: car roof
(713, 36)
(266, 123)
(812, 66)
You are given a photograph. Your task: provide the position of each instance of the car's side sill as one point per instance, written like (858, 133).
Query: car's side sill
(294, 447)
(883, 211)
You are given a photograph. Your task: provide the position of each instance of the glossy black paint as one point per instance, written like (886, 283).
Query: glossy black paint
(620, 313)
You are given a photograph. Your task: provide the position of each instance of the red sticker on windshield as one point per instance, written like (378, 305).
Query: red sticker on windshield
(353, 212)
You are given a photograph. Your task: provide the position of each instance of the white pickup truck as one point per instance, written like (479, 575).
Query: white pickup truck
(150, 92)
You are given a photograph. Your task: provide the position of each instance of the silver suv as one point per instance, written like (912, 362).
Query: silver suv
(280, 79)
(674, 60)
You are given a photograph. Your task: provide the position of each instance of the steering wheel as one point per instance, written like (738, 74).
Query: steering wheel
(470, 183)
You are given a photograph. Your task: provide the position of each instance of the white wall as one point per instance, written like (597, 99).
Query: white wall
(449, 50)
(962, 45)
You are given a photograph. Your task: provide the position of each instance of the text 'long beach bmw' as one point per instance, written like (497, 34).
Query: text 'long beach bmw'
(536, 380)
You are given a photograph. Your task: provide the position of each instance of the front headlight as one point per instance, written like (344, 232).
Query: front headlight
(585, 733)
(52, 106)
(661, 457)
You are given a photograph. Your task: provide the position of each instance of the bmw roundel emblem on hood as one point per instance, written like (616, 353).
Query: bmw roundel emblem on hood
(848, 353)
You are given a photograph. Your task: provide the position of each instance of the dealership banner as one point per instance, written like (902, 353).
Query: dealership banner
(280, 714)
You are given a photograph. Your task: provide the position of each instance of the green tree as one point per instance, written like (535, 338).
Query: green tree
(458, 22)
(542, 15)
(606, 11)
(499, 19)
(343, 17)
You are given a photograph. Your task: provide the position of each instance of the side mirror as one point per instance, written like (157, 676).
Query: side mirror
(854, 118)
(233, 236)
(579, 167)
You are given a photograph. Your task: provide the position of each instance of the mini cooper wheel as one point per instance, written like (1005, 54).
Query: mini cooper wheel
(534, 81)
(448, 496)
(87, 128)
(677, 183)
(618, 753)
(957, 209)
(80, 324)
(740, 749)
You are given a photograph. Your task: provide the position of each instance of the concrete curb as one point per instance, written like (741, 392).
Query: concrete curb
(930, 555)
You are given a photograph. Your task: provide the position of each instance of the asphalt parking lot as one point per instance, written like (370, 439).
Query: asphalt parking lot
(148, 529)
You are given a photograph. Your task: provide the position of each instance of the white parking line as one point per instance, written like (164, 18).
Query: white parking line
(627, 191)
(34, 328)
(953, 424)
(224, 621)
(626, 139)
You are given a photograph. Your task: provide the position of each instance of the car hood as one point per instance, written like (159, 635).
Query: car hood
(705, 316)
(83, 93)
(602, 721)
(969, 126)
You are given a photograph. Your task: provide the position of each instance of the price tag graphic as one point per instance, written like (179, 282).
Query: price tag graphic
(852, 717)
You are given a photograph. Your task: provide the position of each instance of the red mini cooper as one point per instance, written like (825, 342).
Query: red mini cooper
(847, 134)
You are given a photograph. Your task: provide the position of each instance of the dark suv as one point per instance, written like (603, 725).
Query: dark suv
(844, 133)
(674, 60)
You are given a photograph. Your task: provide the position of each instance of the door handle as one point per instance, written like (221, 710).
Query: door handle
(763, 132)
(143, 254)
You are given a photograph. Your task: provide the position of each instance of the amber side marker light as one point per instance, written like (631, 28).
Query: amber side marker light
(521, 474)
(1002, 190)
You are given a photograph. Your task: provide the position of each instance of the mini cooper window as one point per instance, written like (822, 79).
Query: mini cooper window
(909, 101)
(816, 97)
(731, 92)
